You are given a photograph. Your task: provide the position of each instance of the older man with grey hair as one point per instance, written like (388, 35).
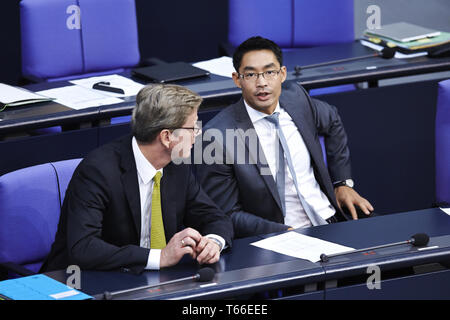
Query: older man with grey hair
(130, 207)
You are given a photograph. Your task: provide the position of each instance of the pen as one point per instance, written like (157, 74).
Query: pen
(104, 86)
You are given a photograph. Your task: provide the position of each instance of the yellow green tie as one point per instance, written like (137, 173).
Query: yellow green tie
(157, 236)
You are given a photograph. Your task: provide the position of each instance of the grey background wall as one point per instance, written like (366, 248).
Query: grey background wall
(192, 30)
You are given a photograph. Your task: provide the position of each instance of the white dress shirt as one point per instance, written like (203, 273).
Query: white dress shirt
(308, 186)
(146, 173)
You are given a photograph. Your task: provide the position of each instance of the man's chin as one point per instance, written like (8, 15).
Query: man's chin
(263, 107)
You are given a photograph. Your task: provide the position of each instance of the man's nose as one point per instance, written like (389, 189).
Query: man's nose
(261, 81)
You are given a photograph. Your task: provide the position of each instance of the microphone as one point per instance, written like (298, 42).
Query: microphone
(203, 275)
(417, 240)
(386, 53)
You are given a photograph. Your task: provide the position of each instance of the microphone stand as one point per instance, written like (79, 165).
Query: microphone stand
(325, 258)
(109, 295)
(386, 53)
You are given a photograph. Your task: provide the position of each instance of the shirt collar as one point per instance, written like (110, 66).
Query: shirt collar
(256, 115)
(145, 169)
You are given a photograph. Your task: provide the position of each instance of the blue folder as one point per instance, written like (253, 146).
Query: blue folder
(38, 287)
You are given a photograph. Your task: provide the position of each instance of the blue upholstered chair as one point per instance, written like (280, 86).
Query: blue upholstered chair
(443, 144)
(293, 24)
(30, 205)
(68, 39)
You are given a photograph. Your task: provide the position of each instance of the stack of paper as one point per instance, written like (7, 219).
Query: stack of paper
(407, 37)
(14, 96)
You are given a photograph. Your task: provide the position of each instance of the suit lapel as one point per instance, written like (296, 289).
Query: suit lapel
(169, 201)
(303, 120)
(130, 183)
(245, 125)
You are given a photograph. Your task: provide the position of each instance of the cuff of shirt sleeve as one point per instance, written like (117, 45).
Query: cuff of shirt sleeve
(154, 258)
(219, 239)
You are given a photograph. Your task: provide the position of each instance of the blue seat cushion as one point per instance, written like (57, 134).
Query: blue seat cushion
(29, 214)
(322, 22)
(54, 47)
(269, 19)
(109, 33)
(291, 23)
(65, 171)
(49, 47)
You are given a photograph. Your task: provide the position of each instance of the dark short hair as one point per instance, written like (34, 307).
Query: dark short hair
(256, 43)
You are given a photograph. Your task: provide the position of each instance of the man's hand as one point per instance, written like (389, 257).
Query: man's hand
(208, 251)
(347, 197)
(183, 242)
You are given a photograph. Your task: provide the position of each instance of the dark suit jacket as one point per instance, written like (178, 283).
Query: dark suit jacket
(100, 222)
(251, 199)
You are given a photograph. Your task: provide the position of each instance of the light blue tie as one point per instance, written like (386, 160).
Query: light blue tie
(313, 217)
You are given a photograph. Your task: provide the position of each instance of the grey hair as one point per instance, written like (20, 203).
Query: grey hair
(161, 106)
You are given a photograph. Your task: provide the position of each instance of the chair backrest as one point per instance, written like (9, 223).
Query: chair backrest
(66, 39)
(292, 23)
(30, 205)
(442, 132)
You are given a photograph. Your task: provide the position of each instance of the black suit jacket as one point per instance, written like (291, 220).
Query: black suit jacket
(100, 221)
(249, 197)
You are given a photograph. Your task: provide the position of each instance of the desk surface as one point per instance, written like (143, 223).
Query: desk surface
(246, 269)
(215, 87)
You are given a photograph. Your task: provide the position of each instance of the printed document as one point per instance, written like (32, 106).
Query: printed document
(300, 246)
(77, 97)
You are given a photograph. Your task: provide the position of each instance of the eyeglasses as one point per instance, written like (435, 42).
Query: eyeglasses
(253, 76)
(196, 130)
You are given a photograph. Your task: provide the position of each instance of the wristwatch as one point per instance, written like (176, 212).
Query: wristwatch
(348, 182)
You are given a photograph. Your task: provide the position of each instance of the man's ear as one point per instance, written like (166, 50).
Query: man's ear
(165, 137)
(283, 74)
(236, 79)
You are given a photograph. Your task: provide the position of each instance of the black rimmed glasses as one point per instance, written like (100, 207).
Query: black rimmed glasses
(253, 76)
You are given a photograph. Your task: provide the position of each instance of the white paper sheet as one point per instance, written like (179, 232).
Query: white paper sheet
(222, 66)
(10, 94)
(77, 97)
(300, 246)
(446, 210)
(130, 87)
